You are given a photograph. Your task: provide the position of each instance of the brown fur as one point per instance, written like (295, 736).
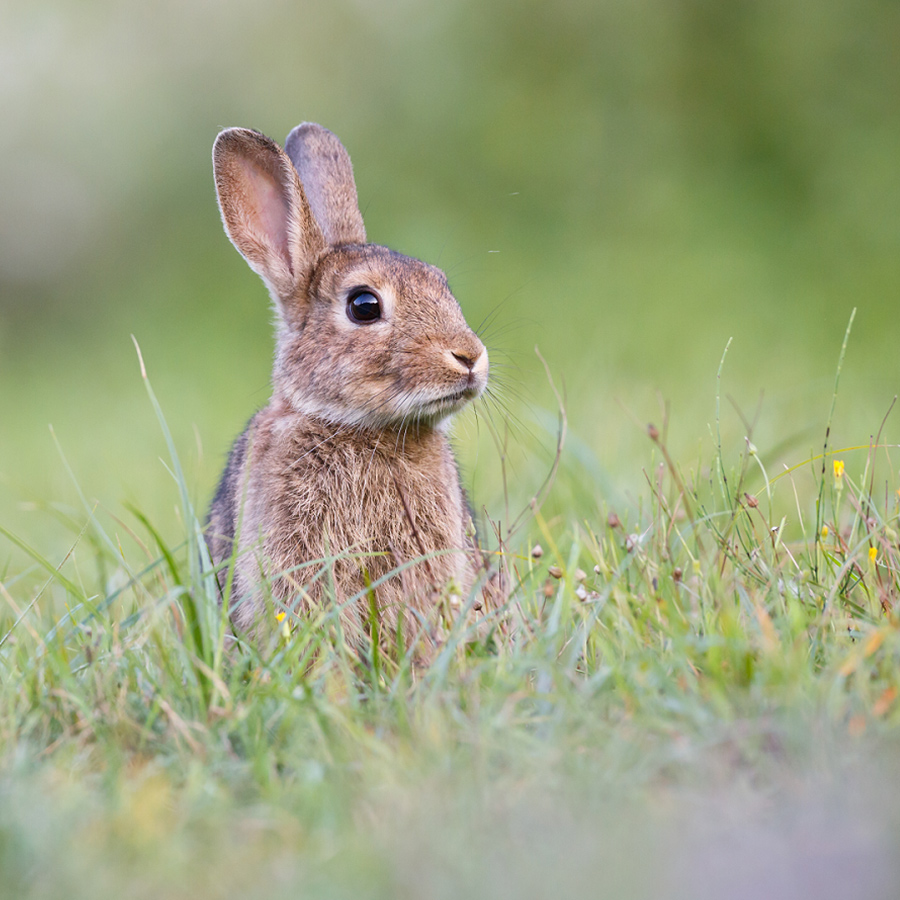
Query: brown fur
(350, 459)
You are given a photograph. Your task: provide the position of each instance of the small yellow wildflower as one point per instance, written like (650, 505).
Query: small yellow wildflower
(824, 532)
(838, 471)
(281, 618)
(873, 553)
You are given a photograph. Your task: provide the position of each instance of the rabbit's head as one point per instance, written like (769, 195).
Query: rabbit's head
(366, 336)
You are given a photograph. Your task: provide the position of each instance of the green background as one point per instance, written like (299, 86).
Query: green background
(626, 185)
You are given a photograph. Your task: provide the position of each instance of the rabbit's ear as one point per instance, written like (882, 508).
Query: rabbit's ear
(327, 176)
(264, 209)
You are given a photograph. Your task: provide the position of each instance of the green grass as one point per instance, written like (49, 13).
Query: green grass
(683, 697)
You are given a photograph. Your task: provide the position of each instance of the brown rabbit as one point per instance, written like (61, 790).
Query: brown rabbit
(350, 460)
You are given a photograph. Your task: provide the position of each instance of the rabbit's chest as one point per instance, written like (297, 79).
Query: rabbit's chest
(405, 505)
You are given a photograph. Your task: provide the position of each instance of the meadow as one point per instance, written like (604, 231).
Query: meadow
(675, 224)
(697, 698)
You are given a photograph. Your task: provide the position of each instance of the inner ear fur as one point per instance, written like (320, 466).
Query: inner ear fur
(326, 173)
(264, 209)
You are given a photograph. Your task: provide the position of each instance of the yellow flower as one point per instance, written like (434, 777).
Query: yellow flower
(281, 618)
(838, 470)
(873, 553)
(824, 531)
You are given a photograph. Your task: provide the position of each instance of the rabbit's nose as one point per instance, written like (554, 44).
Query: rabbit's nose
(468, 356)
(467, 359)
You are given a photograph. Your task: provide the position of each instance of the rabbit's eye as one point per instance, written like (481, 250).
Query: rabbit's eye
(363, 306)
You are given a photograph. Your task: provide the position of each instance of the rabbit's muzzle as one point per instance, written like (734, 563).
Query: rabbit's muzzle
(472, 365)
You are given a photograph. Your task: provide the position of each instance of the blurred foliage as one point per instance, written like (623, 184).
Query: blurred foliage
(626, 184)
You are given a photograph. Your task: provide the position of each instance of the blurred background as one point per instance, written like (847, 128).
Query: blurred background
(626, 184)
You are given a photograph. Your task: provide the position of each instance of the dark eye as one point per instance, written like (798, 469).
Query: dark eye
(363, 306)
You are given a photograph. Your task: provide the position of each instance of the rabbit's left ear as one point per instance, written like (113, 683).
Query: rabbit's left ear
(264, 209)
(326, 174)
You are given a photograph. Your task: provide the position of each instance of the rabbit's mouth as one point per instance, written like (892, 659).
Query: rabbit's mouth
(448, 404)
(462, 396)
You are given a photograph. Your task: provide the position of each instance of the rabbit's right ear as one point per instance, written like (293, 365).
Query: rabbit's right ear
(264, 209)
(327, 175)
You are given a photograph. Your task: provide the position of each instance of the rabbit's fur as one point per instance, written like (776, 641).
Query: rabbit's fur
(350, 458)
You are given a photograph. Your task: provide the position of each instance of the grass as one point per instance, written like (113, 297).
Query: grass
(687, 697)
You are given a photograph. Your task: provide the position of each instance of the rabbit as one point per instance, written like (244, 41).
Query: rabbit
(350, 462)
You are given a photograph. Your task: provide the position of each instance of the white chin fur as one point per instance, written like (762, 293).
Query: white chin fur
(416, 408)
